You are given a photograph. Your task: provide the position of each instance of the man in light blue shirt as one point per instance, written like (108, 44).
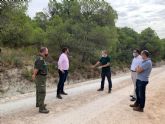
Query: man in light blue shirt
(143, 70)
(147, 67)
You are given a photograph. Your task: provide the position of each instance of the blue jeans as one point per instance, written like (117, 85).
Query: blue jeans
(140, 92)
(62, 79)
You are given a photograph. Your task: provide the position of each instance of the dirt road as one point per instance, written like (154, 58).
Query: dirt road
(85, 105)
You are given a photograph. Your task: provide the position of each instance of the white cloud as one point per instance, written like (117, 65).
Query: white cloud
(140, 14)
(36, 6)
(137, 14)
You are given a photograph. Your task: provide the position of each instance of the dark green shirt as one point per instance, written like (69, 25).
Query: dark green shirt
(104, 61)
(41, 66)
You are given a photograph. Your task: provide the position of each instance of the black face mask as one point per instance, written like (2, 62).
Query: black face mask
(46, 55)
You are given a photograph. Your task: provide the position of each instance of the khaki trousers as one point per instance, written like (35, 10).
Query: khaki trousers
(134, 78)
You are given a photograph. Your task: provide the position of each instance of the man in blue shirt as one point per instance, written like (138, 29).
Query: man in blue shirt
(143, 70)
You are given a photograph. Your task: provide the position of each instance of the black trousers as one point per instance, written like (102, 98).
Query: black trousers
(108, 75)
(62, 79)
(141, 92)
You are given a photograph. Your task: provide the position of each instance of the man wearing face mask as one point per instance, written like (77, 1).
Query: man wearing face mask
(104, 63)
(135, 62)
(39, 75)
(63, 67)
(143, 70)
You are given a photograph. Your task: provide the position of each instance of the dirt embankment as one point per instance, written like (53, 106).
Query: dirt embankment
(16, 81)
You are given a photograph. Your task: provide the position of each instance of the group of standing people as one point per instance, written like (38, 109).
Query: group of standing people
(140, 70)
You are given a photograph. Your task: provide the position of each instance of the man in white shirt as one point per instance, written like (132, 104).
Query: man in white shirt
(137, 60)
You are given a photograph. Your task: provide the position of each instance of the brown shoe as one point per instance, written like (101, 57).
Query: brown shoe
(100, 89)
(109, 91)
(134, 105)
(59, 96)
(139, 109)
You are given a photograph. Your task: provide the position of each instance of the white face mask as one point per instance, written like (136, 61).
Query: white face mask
(134, 55)
(104, 55)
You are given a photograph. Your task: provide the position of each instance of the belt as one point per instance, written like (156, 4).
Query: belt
(133, 71)
(42, 74)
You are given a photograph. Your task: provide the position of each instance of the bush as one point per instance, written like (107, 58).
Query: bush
(11, 61)
(17, 62)
(18, 57)
(27, 73)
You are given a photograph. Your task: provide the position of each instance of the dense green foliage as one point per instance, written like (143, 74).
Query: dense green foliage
(85, 26)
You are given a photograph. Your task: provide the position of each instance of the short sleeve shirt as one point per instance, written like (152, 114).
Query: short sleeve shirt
(147, 67)
(41, 65)
(104, 61)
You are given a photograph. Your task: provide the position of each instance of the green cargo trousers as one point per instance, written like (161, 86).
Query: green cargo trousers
(40, 90)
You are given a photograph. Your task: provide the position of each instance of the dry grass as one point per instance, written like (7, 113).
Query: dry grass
(17, 57)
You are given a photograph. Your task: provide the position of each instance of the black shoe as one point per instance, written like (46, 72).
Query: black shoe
(45, 111)
(59, 96)
(42, 109)
(133, 99)
(63, 93)
(100, 89)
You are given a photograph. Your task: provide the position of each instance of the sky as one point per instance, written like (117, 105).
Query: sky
(136, 14)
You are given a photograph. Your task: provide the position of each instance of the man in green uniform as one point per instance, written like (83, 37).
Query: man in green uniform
(39, 75)
(104, 63)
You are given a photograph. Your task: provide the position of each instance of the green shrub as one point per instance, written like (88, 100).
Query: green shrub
(27, 73)
(17, 62)
(11, 60)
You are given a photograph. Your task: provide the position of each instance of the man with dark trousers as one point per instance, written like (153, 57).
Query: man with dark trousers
(63, 67)
(143, 70)
(104, 63)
